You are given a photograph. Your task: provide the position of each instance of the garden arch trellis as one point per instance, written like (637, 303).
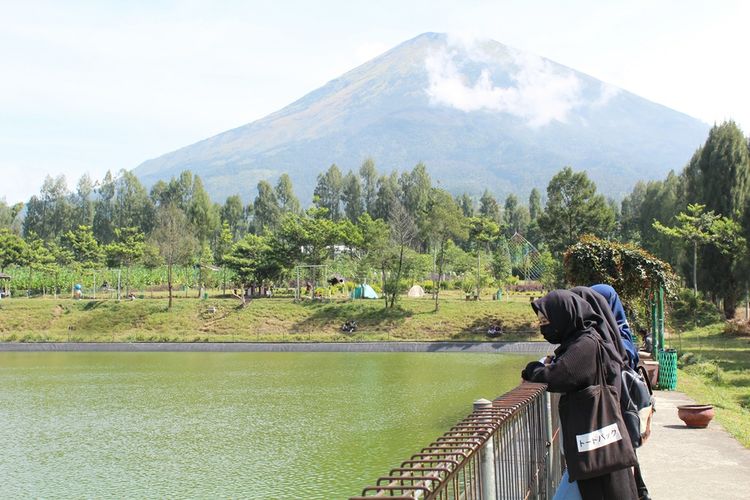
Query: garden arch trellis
(525, 256)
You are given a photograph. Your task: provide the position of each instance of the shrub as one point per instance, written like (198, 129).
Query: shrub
(689, 358)
(688, 308)
(738, 327)
(708, 370)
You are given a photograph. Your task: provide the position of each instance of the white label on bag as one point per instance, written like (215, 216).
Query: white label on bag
(598, 438)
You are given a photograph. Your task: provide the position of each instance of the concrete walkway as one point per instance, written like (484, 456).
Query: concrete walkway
(683, 463)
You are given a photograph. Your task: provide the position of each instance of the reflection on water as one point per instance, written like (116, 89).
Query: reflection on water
(239, 425)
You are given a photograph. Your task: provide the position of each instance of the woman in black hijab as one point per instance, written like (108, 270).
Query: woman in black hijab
(568, 320)
(607, 329)
(610, 333)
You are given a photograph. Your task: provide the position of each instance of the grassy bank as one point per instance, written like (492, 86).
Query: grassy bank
(717, 371)
(265, 320)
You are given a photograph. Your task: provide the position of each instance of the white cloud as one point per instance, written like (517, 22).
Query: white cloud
(540, 92)
(607, 93)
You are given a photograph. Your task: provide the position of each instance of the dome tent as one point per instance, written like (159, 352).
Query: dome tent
(364, 291)
(416, 291)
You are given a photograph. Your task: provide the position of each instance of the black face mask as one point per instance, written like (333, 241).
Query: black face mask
(550, 334)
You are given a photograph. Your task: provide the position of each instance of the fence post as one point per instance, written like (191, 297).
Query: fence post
(551, 459)
(487, 459)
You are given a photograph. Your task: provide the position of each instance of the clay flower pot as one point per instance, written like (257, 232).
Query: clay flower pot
(696, 416)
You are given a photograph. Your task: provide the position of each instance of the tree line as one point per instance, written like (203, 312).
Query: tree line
(398, 224)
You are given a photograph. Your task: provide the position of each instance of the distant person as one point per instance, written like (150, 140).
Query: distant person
(495, 330)
(648, 342)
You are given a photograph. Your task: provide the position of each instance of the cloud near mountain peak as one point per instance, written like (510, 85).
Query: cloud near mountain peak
(540, 93)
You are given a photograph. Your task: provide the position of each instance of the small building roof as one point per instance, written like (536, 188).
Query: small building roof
(4, 276)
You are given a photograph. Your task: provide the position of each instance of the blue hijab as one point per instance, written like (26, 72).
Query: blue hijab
(618, 311)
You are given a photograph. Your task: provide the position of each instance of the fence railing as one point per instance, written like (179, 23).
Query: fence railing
(508, 448)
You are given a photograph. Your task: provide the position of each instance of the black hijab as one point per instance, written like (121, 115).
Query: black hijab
(607, 329)
(569, 316)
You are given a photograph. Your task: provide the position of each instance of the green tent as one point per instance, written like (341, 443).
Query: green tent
(364, 291)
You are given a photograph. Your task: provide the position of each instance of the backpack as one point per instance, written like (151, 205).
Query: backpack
(636, 404)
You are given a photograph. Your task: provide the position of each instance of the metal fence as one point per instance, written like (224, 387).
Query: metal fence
(508, 448)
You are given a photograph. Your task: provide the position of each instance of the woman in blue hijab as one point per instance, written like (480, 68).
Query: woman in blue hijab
(618, 311)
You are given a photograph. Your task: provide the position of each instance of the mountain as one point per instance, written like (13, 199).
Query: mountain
(478, 114)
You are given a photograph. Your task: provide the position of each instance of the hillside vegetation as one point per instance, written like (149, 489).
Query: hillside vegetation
(263, 320)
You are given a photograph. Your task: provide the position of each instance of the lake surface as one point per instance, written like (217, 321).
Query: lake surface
(228, 425)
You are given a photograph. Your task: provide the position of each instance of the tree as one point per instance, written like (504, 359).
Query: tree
(176, 245)
(204, 265)
(515, 216)
(37, 257)
(488, 207)
(328, 191)
(719, 177)
(126, 249)
(369, 176)
(49, 215)
(12, 249)
(86, 250)
(573, 209)
(266, 208)
(415, 189)
(306, 238)
(483, 232)
(724, 165)
(203, 218)
(104, 226)
(655, 200)
(234, 216)
(535, 204)
(502, 266)
(445, 221)
(466, 204)
(288, 202)
(253, 260)
(9, 214)
(402, 233)
(376, 249)
(388, 195)
(83, 205)
(131, 205)
(698, 228)
(351, 196)
(222, 248)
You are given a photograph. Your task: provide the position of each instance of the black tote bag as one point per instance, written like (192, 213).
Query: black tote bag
(595, 439)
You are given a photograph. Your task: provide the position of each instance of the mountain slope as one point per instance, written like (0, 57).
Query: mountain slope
(479, 115)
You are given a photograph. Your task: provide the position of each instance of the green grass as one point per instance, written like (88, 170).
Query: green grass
(720, 375)
(264, 320)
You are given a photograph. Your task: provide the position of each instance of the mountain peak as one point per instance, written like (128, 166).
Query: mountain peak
(478, 113)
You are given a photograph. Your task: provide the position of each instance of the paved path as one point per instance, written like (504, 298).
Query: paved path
(485, 347)
(682, 463)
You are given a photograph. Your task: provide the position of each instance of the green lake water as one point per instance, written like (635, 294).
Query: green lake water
(227, 425)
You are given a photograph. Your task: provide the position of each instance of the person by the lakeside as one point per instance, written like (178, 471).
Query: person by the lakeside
(623, 328)
(615, 331)
(568, 320)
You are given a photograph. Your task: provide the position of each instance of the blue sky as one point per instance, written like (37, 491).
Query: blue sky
(92, 86)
